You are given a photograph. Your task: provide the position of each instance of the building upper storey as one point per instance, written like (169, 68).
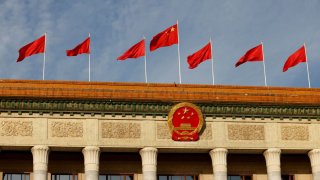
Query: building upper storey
(154, 92)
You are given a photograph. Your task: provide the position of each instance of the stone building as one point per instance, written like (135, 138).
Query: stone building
(62, 130)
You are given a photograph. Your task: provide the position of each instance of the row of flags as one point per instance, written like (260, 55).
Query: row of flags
(168, 37)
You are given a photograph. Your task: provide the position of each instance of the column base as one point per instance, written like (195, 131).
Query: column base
(275, 175)
(220, 175)
(92, 175)
(40, 175)
(150, 175)
(316, 175)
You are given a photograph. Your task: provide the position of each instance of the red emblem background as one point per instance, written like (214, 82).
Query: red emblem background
(185, 122)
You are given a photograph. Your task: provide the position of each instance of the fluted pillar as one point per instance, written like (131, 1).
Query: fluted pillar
(40, 156)
(219, 163)
(149, 163)
(314, 156)
(272, 157)
(91, 156)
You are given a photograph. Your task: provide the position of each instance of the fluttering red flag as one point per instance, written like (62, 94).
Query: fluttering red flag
(135, 51)
(35, 47)
(165, 38)
(82, 48)
(254, 54)
(295, 58)
(201, 55)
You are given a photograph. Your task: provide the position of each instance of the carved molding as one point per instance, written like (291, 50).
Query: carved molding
(246, 132)
(16, 128)
(294, 132)
(40, 154)
(120, 130)
(66, 129)
(158, 108)
(163, 131)
(272, 157)
(207, 133)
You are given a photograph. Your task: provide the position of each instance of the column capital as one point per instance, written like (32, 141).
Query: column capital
(219, 159)
(272, 156)
(149, 162)
(314, 156)
(91, 156)
(219, 163)
(149, 156)
(40, 154)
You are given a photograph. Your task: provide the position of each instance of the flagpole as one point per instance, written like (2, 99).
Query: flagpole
(305, 51)
(212, 62)
(44, 55)
(89, 62)
(264, 67)
(179, 53)
(145, 61)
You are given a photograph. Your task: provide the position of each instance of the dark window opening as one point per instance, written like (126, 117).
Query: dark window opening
(115, 177)
(238, 177)
(177, 177)
(16, 176)
(64, 177)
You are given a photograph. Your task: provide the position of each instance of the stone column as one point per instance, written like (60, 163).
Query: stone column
(314, 156)
(91, 156)
(149, 163)
(40, 156)
(219, 163)
(272, 157)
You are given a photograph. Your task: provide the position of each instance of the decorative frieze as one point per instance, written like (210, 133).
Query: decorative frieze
(207, 133)
(295, 132)
(16, 128)
(246, 132)
(163, 131)
(157, 108)
(120, 130)
(66, 129)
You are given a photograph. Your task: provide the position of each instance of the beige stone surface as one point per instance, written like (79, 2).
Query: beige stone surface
(303, 177)
(259, 177)
(121, 130)
(206, 177)
(243, 131)
(163, 131)
(66, 129)
(295, 132)
(16, 128)
(235, 134)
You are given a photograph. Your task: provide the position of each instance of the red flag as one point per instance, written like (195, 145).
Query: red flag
(198, 57)
(35, 47)
(83, 47)
(254, 54)
(167, 37)
(135, 51)
(296, 58)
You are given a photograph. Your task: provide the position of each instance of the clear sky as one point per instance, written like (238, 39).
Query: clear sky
(235, 26)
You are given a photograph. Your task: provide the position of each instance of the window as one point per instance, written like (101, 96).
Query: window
(115, 177)
(177, 177)
(13, 176)
(239, 178)
(287, 177)
(64, 177)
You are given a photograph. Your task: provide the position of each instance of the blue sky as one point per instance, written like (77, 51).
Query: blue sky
(235, 26)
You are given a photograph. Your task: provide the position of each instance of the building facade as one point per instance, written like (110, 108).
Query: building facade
(62, 130)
